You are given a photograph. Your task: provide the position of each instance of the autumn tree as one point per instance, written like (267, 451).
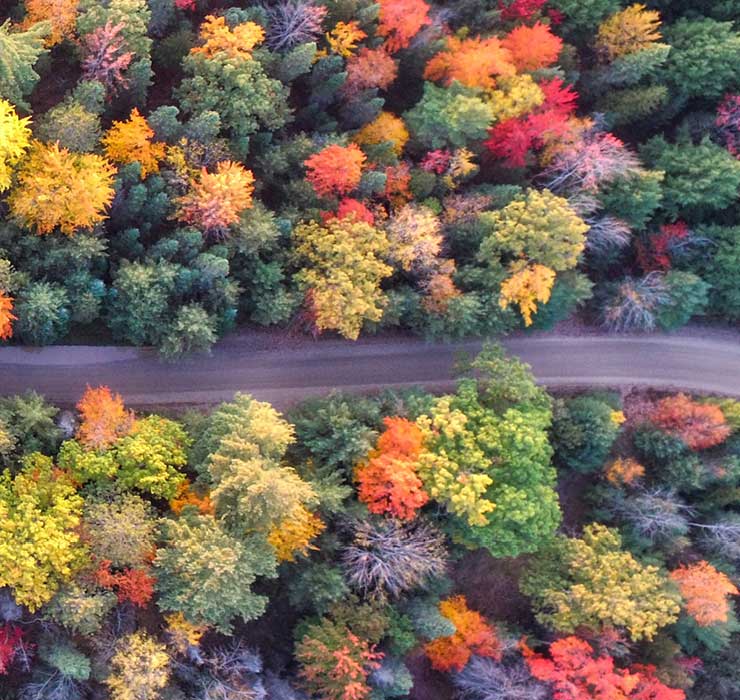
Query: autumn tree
(700, 426)
(624, 471)
(216, 200)
(342, 268)
(131, 141)
(575, 673)
(473, 635)
(11, 639)
(400, 21)
(385, 128)
(368, 69)
(151, 455)
(104, 418)
(6, 316)
(334, 662)
(14, 141)
(140, 668)
(61, 14)
(527, 286)
(235, 42)
(475, 63)
(592, 582)
(19, 51)
(705, 591)
(133, 584)
(632, 30)
(415, 237)
(532, 47)
(388, 483)
(40, 548)
(344, 37)
(294, 535)
(105, 57)
(335, 170)
(59, 189)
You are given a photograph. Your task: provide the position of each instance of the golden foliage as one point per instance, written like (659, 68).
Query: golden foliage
(472, 62)
(6, 316)
(345, 36)
(624, 471)
(629, 31)
(59, 189)
(183, 634)
(139, 668)
(515, 97)
(62, 14)
(131, 141)
(218, 38)
(294, 534)
(386, 127)
(15, 138)
(216, 200)
(527, 286)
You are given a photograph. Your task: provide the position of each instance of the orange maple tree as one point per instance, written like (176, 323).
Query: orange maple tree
(576, 674)
(534, 47)
(61, 14)
(131, 141)
(369, 68)
(186, 496)
(135, 585)
(335, 169)
(473, 635)
(624, 471)
(473, 62)
(104, 418)
(700, 426)
(400, 21)
(216, 200)
(705, 591)
(388, 483)
(6, 316)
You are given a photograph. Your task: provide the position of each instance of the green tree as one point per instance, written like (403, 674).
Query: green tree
(19, 52)
(700, 179)
(583, 431)
(139, 305)
(592, 582)
(583, 16)
(721, 269)
(40, 546)
(704, 61)
(43, 313)
(206, 574)
(192, 330)
(689, 296)
(30, 421)
(453, 116)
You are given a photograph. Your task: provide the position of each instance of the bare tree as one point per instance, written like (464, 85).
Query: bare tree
(486, 679)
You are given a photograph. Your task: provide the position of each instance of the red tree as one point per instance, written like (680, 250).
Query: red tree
(350, 207)
(700, 426)
(655, 254)
(335, 169)
(519, 10)
(400, 21)
(576, 674)
(369, 68)
(534, 47)
(11, 638)
(133, 585)
(473, 635)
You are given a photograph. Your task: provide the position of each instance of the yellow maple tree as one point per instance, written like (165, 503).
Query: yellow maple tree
(345, 36)
(527, 286)
(59, 189)
(15, 138)
(218, 37)
(386, 127)
(294, 534)
(633, 29)
(131, 141)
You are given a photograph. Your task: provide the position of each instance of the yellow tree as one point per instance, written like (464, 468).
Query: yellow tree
(528, 285)
(218, 37)
(131, 141)
(15, 137)
(293, 535)
(216, 200)
(140, 668)
(59, 189)
(629, 31)
(342, 267)
(386, 127)
(62, 14)
(345, 36)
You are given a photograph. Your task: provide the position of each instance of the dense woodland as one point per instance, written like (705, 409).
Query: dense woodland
(495, 543)
(170, 168)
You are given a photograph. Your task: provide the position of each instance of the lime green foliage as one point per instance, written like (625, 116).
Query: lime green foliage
(86, 465)
(487, 459)
(451, 116)
(593, 582)
(39, 542)
(151, 456)
(206, 574)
